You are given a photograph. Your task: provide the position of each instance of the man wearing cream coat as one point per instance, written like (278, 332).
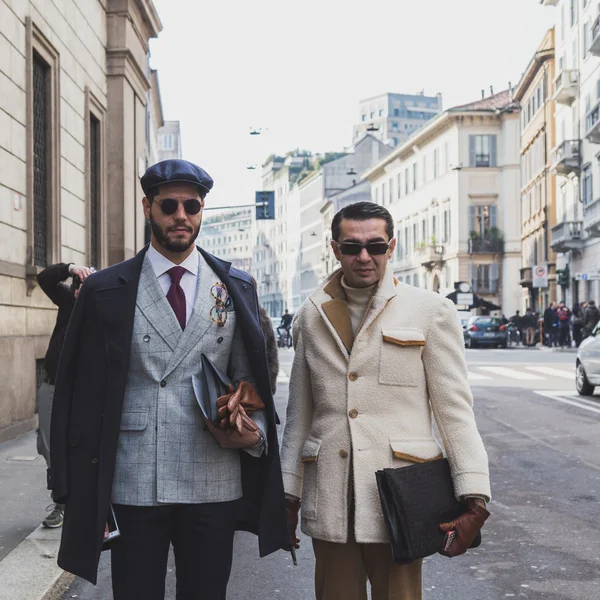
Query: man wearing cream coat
(374, 360)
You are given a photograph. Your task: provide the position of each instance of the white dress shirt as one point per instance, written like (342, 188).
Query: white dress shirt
(189, 281)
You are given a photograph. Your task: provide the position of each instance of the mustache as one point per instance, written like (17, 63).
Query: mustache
(180, 227)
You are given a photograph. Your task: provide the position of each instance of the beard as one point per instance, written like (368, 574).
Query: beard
(162, 238)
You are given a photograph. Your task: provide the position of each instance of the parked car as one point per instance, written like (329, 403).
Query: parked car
(486, 331)
(588, 364)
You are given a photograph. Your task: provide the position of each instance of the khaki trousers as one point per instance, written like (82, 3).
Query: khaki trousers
(342, 571)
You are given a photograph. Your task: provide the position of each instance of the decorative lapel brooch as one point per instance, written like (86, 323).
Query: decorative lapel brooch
(218, 313)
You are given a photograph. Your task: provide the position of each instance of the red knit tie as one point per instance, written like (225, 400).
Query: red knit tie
(176, 295)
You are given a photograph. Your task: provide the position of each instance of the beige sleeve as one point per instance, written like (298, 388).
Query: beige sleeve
(452, 404)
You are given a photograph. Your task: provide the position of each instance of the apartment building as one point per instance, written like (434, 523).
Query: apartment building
(74, 82)
(538, 184)
(230, 234)
(576, 92)
(453, 190)
(393, 118)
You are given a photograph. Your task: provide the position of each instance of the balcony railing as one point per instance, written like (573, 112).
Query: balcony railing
(591, 218)
(486, 246)
(566, 86)
(431, 255)
(526, 277)
(567, 236)
(595, 45)
(592, 122)
(485, 286)
(565, 158)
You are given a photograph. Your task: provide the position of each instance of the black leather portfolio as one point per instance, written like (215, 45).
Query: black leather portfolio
(415, 501)
(212, 384)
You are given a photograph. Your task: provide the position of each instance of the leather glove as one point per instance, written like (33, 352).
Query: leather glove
(233, 408)
(466, 527)
(292, 507)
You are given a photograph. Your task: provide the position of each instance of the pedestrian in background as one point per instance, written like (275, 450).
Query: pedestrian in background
(564, 325)
(577, 323)
(127, 427)
(590, 318)
(271, 345)
(529, 322)
(517, 319)
(551, 325)
(52, 282)
(375, 359)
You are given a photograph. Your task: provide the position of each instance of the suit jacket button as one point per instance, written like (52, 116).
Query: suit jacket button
(94, 461)
(344, 453)
(353, 376)
(353, 413)
(163, 383)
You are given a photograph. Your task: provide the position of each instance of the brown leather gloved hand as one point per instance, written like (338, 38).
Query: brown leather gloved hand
(233, 408)
(292, 507)
(465, 527)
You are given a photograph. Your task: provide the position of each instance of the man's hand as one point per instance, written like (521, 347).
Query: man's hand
(466, 527)
(231, 439)
(292, 507)
(82, 272)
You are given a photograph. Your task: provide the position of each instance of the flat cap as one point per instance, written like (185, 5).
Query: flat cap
(176, 171)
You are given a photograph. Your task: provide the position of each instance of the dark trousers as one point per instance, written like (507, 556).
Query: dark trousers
(564, 334)
(202, 538)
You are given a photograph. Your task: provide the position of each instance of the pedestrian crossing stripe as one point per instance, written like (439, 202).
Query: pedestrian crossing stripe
(511, 373)
(282, 377)
(571, 401)
(553, 372)
(477, 376)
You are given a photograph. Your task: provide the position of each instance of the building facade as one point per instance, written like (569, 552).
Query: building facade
(230, 234)
(74, 87)
(575, 159)
(453, 190)
(169, 140)
(538, 185)
(393, 118)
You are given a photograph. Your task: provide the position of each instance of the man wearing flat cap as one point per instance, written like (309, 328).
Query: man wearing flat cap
(127, 431)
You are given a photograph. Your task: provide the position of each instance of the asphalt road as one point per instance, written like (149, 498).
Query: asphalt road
(543, 538)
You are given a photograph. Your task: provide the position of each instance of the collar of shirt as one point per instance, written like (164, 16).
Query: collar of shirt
(161, 264)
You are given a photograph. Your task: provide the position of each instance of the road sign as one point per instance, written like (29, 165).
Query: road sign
(587, 276)
(540, 276)
(265, 205)
(464, 299)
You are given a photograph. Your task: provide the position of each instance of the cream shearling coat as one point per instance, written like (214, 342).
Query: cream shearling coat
(359, 405)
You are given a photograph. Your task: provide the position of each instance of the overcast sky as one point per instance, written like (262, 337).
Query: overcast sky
(299, 69)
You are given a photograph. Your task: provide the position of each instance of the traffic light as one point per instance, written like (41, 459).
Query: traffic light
(563, 276)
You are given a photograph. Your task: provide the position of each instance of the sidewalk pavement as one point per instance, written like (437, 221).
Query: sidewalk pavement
(28, 569)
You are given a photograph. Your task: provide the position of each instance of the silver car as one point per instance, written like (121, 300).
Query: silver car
(588, 364)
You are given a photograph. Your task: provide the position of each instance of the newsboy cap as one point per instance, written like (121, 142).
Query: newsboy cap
(176, 170)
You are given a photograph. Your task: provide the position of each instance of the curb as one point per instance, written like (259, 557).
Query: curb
(30, 571)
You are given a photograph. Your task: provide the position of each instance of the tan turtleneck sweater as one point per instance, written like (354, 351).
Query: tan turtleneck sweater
(358, 299)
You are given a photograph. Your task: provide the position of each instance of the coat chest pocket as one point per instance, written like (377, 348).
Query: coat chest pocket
(400, 357)
(310, 460)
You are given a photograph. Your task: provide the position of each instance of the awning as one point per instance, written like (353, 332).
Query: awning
(478, 302)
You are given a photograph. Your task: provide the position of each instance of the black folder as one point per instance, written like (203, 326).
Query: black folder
(415, 501)
(212, 384)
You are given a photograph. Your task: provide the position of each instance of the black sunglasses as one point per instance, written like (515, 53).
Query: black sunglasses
(169, 206)
(354, 249)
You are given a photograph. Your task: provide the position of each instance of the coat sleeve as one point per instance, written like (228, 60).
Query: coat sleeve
(299, 416)
(61, 405)
(452, 404)
(51, 281)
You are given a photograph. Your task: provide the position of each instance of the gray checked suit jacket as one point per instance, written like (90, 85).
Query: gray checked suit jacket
(164, 453)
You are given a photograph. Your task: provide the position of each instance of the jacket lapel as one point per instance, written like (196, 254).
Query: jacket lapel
(199, 320)
(153, 303)
(336, 315)
(116, 308)
(385, 291)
